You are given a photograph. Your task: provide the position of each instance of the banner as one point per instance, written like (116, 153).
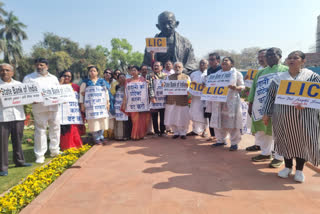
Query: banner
(70, 112)
(20, 94)
(157, 45)
(56, 94)
(137, 97)
(196, 89)
(218, 94)
(250, 74)
(175, 87)
(95, 102)
(260, 95)
(306, 94)
(160, 98)
(119, 96)
(219, 79)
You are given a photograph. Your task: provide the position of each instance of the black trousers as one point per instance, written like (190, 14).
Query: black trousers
(208, 115)
(155, 121)
(299, 163)
(15, 129)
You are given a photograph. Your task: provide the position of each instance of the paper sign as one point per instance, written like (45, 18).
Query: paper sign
(219, 79)
(175, 87)
(95, 102)
(218, 94)
(160, 98)
(196, 89)
(137, 97)
(70, 112)
(158, 44)
(119, 96)
(20, 94)
(250, 75)
(306, 94)
(246, 122)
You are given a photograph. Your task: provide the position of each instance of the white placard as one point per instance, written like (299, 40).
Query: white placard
(70, 112)
(56, 94)
(95, 102)
(195, 89)
(246, 122)
(158, 92)
(119, 96)
(175, 87)
(219, 79)
(262, 87)
(20, 94)
(137, 97)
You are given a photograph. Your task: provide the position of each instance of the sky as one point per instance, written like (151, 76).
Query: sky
(208, 24)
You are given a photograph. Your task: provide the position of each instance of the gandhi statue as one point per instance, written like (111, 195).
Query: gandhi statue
(179, 47)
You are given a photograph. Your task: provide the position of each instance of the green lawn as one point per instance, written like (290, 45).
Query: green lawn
(18, 173)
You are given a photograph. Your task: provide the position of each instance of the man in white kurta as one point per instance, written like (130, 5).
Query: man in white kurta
(44, 116)
(199, 122)
(11, 123)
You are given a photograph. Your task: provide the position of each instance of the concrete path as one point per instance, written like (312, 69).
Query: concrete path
(162, 175)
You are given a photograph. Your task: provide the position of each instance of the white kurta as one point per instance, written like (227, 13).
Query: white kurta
(177, 118)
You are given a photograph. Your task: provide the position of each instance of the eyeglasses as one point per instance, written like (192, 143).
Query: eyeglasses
(107, 73)
(212, 59)
(66, 76)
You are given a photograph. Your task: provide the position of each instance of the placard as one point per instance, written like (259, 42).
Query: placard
(20, 94)
(250, 74)
(160, 98)
(218, 94)
(157, 45)
(293, 93)
(70, 112)
(137, 97)
(175, 87)
(196, 89)
(119, 96)
(95, 102)
(246, 122)
(219, 79)
(260, 95)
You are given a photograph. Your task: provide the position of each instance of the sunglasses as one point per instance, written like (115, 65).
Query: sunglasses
(66, 76)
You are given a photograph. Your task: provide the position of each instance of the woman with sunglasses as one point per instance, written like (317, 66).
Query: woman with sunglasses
(70, 134)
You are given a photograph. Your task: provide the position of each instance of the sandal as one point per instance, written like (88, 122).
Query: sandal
(253, 148)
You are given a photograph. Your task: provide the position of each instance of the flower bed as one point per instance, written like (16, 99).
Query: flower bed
(22, 194)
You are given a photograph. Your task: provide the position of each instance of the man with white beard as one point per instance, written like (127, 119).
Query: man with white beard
(44, 115)
(199, 122)
(177, 110)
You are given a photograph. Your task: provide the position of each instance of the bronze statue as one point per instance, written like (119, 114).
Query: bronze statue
(179, 47)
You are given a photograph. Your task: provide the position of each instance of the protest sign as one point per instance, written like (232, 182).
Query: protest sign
(70, 112)
(20, 94)
(260, 95)
(175, 87)
(246, 122)
(196, 89)
(218, 94)
(160, 98)
(306, 94)
(56, 94)
(137, 97)
(157, 45)
(95, 102)
(68, 94)
(250, 75)
(119, 96)
(219, 79)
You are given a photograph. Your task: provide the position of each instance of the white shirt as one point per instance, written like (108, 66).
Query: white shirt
(198, 76)
(43, 81)
(168, 73)
(15, 113)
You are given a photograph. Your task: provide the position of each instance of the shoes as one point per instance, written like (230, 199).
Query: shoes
(204, 134)
(150, 133)
(55, 154)
(40, 160)
(275, 163)
(233, 148)
(175, 136)
(253, 148)
(24, 165)
(3, 173)
(183, 137)
(160, 134)
(261, 158)
(285, 173)
(218, 144)
(299, 176)
(212, 139)
(192, 134)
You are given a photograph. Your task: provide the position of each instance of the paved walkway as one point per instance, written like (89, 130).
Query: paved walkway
(161, 175)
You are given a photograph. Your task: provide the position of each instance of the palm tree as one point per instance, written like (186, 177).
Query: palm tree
(2, 13)
(12, 34)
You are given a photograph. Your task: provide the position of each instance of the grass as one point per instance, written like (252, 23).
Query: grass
(18, 173)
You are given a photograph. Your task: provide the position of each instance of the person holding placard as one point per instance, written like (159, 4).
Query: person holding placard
(44, 116)
(256, 99)
(177, 110)
(11, 123)
(122, 125)
(108, 77)
(296, 129)
(199, 122)
(94, 101)
(136, 104)
(226, 117)
(70, 133)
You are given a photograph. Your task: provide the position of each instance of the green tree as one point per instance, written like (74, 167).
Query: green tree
(2, 13)
(60, 61)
